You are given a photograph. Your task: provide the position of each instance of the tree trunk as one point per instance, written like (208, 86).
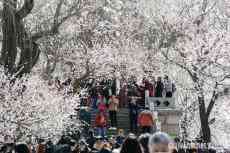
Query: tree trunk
(206, 132)
(29, 50)
(205, 128)
(9, 44)
(15, 36)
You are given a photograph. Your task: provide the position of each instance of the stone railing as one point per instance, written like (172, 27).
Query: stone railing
(155, 103)
(168, 116)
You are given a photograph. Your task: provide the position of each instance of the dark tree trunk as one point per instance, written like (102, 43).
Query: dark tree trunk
(9, 44)
(206, 132)
(15, 36)
(204, 117)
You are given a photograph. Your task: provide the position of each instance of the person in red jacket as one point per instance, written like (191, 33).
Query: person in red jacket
(100, 124)
(41, 148)
(146, 121)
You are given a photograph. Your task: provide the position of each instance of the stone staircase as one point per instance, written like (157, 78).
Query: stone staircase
(122, 118)
(169, 119)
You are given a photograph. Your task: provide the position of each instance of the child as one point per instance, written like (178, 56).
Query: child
(100, 124)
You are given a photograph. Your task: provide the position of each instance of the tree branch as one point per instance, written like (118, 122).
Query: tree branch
(178, 64)
(57, 23)
(26, 9)
(213, 100)
(87, 67)
(57, 14)
(199, 20)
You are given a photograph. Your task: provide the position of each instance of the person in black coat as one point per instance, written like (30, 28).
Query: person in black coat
(131, 145)
(133, 114)
(159, 87)
(22, 148)
(91, 139)
(144, 142)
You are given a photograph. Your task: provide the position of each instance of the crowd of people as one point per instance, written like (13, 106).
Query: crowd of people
(140, 120)
(137, 115)
(124, 90)
(158, 142)
(105, 100)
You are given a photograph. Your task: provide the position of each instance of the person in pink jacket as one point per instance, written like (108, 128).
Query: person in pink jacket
(101, 103)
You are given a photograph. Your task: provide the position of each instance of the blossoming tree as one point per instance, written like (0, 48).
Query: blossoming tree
(29, 106)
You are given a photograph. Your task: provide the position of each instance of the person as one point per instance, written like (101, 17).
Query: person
(149, 88)
(106, 148)
(29, 144)
(93, 95)
(112, 142)
(168, 86)
(113, 107)
(49, 147)
(123, 96)
(159, 142)
(131, 145)
(146, 121)
(22, 148)
(142, 92)
(144, 141)
(149, 91)
(153, 81)
(7, 147)
(159, 87)
(76, 148)
(83, 147)
(133, 114)
(98, 145)
(120, 137)
(100, 124)
(91, 139)
(101, 103)
(41, 147)
(114, 86)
